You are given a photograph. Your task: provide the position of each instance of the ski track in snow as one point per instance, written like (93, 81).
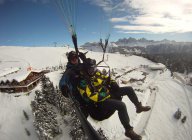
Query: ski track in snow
(141, 120)
(179, 128)
(189, 103)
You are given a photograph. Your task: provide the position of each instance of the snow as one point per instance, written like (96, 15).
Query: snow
(164, 93)
(18, 76)
(6, 71)
(12, 120)
(158, 66)
(134, 75)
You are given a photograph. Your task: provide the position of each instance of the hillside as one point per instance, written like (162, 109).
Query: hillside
(154, 87)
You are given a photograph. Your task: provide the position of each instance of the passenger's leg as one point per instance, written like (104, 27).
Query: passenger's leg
(112, 104)
(130, 93)
(123, 116)
(133, 97)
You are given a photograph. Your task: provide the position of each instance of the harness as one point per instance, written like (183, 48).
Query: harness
(93, 88)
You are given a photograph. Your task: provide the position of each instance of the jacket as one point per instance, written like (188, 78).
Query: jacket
(69, 79)
(94, 89)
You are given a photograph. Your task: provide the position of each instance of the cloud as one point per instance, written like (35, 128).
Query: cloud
(132, 32)
(121, 19)
(106, 5)
(94, 32)
(150, 16)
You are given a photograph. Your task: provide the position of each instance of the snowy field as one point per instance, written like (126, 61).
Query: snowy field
(153, 87)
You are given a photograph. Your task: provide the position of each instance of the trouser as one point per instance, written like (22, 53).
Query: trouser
(116, 104)
(113, 104)
(118, 92)
(130, 93)
(120, 106)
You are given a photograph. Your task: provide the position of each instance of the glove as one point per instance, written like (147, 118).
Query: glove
(82, 56)
(65, 91)
(114, 86)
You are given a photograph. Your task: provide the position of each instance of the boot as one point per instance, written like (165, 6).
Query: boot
(140, 108)
(132, 135)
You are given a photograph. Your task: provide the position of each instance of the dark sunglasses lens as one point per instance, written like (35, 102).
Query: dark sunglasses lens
(74, 57)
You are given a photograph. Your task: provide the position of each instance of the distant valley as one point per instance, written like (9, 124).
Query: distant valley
(177, 56)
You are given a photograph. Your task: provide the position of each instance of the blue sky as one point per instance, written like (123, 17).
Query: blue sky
(40, 23)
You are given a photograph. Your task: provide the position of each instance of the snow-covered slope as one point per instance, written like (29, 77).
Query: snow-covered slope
(156, 88)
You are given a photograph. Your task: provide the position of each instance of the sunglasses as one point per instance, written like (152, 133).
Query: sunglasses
(74, 57)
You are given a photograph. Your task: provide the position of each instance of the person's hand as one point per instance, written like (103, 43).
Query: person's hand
(114, 86)
(82, 56)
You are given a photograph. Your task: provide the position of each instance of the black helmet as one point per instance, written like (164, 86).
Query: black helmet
(90, 66)
(71, 55)
(90, 62)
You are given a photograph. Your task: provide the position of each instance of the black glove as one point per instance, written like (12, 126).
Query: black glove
(114, 86)
(65, 91)
(82, 56)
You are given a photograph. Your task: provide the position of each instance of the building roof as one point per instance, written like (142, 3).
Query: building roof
(10, 74)
(7, 71)
(157, 66)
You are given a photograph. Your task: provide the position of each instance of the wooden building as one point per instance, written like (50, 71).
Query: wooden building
(17, 80)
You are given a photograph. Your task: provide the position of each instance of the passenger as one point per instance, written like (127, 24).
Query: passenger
(99, 89)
